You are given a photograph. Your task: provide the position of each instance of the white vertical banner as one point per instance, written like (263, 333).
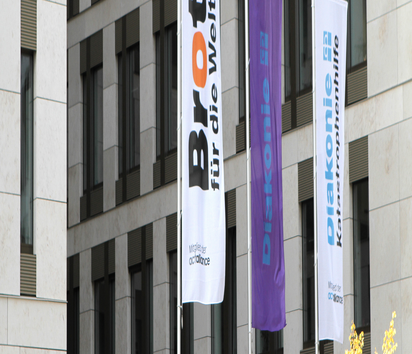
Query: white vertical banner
(330, 40)
(203, 199)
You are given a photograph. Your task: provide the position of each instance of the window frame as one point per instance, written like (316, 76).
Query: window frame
(27, 147)
(365, 327)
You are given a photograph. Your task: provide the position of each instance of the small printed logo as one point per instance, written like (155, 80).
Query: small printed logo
(264, 48)
(327, 46)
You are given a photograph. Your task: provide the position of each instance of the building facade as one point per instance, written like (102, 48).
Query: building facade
(33, 190)
(122, 170)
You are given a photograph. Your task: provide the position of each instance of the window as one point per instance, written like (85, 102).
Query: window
(91, 69)
(129, 159)
(72, 8)
(298, 58)
(224, 324)
(308, 273)
(26, 178)
(187, 333)
(356, 80)
(93, 131)
(104, 306)
(356, 34)
(128, 52)
(166, 99)
(269, 342)
(142, 308)
(103, 277)
(361, 274)
(73, 308)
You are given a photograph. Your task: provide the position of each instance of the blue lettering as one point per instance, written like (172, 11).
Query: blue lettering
(269, 208)
(266, 250)
(266, 90)
(268, 186)
(328, 172)
(268, 156)
(268, 227)
(266, 133)
(329, 145)
(331, 231)
(330, 193)
(328, 84)
(328, 115)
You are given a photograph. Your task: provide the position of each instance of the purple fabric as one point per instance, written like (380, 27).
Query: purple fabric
(268, 270)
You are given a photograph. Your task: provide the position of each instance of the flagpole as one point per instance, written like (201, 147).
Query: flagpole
(249, 221)
(179, 166)
(315, 211)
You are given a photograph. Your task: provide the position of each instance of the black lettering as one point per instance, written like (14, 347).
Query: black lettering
(213, 31)
(214, 93)
(215, 125)
(199, 112)
(211, 60)
(198, 176)
(198, 11)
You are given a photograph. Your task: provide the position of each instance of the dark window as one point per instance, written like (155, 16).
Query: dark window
(241, 60)
(93, 139)
(166, 100)
(131, 157)
(187, 334)
(26, 179)
(269, 342)
(308, 273)
(224, 324)
(73, 306)
(142, 308)
(357, 49)
(72, 8)
(298, 54)
(104, 305)
(361, 274)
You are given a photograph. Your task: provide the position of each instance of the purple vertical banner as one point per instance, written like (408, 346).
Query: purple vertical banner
(268, 269)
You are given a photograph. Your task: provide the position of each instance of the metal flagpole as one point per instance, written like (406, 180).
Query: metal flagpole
(249, 221)
(315, 212)
(179, 167)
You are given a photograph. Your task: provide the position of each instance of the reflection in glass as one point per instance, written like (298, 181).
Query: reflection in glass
(170, 91)
(26, 179)
(308, 271)
(357, 10)
(142, 311)
(361, 253)
(305, 44)
(269, 342)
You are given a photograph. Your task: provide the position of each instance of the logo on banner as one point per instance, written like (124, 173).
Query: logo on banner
(200, 175)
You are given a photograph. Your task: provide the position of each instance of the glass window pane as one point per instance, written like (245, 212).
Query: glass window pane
(137, 316)
(98, 126)
(171, 89)
(305, 44)
(241, 59)
(361, 253)
(357, 10)
(134, 108)
(287, 48)
(26, 179)
(158, 88)
(99, 316)
(85, 142)
(269, 342)
(120, 113)
(308, 271)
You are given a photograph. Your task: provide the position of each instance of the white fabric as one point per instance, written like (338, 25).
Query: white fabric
(203, 231)
(330, 40)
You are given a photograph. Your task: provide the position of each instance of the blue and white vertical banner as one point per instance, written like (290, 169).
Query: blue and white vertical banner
(203, 198)
(330, 40)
